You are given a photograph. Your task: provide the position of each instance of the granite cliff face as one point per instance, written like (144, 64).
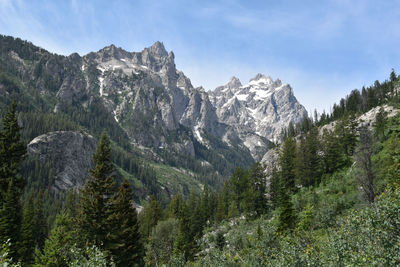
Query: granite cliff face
(263, 106)
(150, 98)
(69, 154)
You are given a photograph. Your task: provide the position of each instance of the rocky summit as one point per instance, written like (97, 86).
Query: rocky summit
(263, 106)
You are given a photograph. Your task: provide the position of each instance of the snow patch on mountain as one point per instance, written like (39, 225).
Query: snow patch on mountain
(263, 107)
(197, 134)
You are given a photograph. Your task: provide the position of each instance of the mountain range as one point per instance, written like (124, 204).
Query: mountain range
(150, 109)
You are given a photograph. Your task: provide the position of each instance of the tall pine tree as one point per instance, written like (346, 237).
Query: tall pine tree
(256, 196)
(40, 222)
(334, 156)
(12, 151)
(96, 198)
(27, 244)
(126, 247)
(287, 163)
(287, 216)
(309, 163)
(150, 216)
(10, 220)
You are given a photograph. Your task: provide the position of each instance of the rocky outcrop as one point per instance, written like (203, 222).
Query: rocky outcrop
(367, 119)
(69, 154)
(258, 110)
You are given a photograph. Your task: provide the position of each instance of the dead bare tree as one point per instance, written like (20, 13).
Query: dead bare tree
(364, 166)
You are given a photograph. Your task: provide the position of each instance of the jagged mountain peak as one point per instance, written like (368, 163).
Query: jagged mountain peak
(258, 77)
(158, 49)
(111, 48)
(233, 83)
(263, 106)
(200, 88)
(109, 52)
(261, 79)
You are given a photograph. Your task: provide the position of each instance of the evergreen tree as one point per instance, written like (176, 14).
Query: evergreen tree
(291, 132)
(190, 229)
(221, 210)
(40, 222)
(206, 208)
(287, 163)
(96, 196)
(10, 220)
(393, 76)
(238, 187)
(274, 187)
(12, 151)
(197, 218)
(175, 207)
(380, 124)
(71, 203)
(150, 216)
(309, 163)
(346, 130)
(28, 244)
(184, 240)
(256, 196)
(126, 247)
(364, 97)
(354, 101)
(300, 161)
(287, 216)
(233, 210)
(58, 246)
(334, 157)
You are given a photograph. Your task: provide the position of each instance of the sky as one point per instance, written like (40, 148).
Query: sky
(323, 49)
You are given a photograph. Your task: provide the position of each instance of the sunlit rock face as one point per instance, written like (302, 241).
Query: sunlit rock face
(263, 107)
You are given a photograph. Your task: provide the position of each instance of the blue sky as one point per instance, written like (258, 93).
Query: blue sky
(324, 49)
